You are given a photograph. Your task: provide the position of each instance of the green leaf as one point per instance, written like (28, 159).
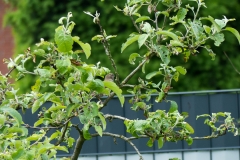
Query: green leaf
(44, 73)
(70, 108)
(147, 28)
(96, 85)
(197, 29)
(176, 43)
(39, 52)
(70, 141)
(164, 54)
(152, 74)
(181, 14)
(63, 40)
(133, 57)
(39, 102)
(189, 128)
(160, 97)
(103, 120)
(98, 130)
(176, 76)
(160, 142)
(16, 155)
(168, 33)
(150, 142)
(181, 70)
(129, 41)
(34, 137)
(218, 38)
(62, 148)
(13, 113)
(86, 134)
(207, 29)
(63, 66)
(37, 85)
(203, 115)
(2, 119)
(54, 108)
(115, 89)
(216, 26)
(141, 40)
(37, 123)
(85, 46)
(189, 141)
(173, 107)
(221, 114)
(235, 32)
(142, 18)
(54, 135)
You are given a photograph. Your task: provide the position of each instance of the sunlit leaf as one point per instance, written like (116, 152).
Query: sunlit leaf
(141, 39)
(142, 18)
(13, 113)
(129, 41)
(98, 130)
(181, 70)
(168, 33)
(63, 40)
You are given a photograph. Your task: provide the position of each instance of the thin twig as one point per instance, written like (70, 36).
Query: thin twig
(135, 25)
(109, 116)
(108, 52)
(63, 134)
(122, 137)
(9, 72)
(231, 63)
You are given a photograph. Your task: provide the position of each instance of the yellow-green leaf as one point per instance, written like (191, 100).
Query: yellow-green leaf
(160, 142)
(112, 86)
(189, 128)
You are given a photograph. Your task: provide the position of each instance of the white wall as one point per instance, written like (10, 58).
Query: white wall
(190, 155)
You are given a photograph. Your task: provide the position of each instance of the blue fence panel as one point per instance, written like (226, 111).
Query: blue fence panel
(195, 103)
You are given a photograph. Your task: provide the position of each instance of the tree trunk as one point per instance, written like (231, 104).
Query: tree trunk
(78, 147)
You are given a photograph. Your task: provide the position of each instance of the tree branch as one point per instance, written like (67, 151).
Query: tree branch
(122, 137)
(79, 144)
(133, 72)
(231, 63)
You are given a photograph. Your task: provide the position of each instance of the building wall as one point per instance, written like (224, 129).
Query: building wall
(6, 39)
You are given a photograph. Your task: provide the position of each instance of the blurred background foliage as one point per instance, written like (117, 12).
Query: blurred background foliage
(35, 19)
